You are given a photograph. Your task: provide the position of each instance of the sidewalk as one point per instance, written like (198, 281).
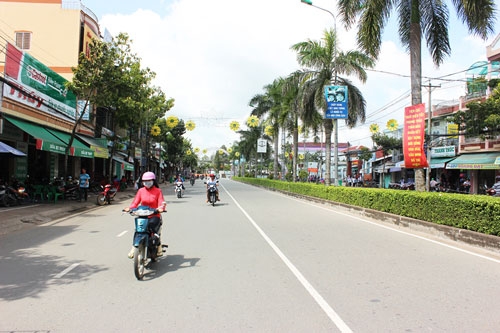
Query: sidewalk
(30, 214)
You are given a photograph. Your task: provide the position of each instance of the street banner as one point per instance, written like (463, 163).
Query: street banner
(336, 102)
(413, 137)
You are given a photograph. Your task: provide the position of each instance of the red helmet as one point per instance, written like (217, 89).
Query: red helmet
(148, 176)
(212, 175)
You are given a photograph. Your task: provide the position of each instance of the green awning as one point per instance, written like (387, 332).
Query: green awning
(474, 161)
(99, 146)
(439, 162)
(124, 164)
(77, 147)
(44, 139)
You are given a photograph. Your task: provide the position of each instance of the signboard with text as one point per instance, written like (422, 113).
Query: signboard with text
(336, 102)
(413, 137)
(33, 84)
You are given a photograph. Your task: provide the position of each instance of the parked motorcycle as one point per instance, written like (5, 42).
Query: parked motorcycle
(107, 194)
(493, 193)
(178, 189)
(212, 194)
(146, 240)
(71, 189)
(7, 196)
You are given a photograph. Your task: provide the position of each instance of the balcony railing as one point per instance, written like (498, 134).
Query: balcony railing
(77, 5)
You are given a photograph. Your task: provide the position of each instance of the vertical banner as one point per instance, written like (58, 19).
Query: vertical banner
(261, 146)
(336, 102)
(413, 137)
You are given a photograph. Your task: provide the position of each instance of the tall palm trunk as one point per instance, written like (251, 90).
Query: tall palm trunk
(295, 151)
(276, 148)
(328, 124)
(416, 77)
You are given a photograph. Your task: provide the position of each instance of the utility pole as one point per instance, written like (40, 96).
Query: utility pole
(429, 133)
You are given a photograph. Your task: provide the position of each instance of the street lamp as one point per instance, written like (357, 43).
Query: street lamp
(333, 82)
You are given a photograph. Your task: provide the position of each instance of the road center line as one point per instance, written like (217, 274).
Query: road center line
(334, 317)
(66, 271)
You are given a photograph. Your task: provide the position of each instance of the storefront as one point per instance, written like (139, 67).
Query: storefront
(100, 164)
(46, 148)
(122, 168)
(479, 167)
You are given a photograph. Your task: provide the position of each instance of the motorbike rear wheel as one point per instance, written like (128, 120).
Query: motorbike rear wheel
(101, 199)
(139, 260)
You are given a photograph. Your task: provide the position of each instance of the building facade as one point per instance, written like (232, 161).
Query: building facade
(42, 40)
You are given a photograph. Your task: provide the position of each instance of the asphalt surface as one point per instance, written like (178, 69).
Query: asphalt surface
(32, 214)
(36, 213)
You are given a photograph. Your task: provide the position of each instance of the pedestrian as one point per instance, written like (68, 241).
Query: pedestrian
(84, 184)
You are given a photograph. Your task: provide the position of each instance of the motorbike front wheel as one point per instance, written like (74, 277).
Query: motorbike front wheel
(139, 260)
(101, 199)
(179, 194)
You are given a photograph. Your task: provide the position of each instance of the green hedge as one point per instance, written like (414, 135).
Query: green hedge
(479, 213)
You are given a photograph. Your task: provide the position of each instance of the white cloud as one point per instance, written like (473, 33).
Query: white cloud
(213, 56)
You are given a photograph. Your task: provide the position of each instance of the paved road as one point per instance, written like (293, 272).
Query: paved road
(257, 262)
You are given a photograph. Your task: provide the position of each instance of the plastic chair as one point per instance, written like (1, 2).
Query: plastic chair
(54, 194)
(39, 192)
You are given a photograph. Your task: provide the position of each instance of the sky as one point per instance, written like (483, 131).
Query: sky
(212, 57)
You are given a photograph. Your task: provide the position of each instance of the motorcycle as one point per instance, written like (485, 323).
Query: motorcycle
(191, 181)
(107, 194)
(71, 189)
(212, 194)
(493, 193)
(178, 189)
(7, 196)
(146, 241)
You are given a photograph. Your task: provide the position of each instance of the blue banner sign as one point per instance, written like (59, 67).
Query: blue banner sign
(336, 102)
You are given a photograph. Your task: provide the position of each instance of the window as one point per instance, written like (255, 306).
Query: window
(23, 40)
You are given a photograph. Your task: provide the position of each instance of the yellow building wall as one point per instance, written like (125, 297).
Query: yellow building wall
(55, 31)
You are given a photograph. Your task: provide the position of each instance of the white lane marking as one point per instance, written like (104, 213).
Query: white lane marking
(122, 233)
(378, 224)
(66, 271)
(334, 317)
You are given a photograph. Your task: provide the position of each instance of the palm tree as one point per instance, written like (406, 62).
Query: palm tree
(270, 103)
(429, 18)
(324, 64)
(292, 111)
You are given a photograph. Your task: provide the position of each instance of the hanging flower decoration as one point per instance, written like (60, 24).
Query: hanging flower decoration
(155, 130)
(234, 125)
(188, 152)
(172, 121)
(269, 130)
(190, 125)
(374, 128)
(197, 150)
(221, 152)
(204, 151)
(229, 150)
(301, 156)
(253, 121)
(392, 125)
(237, 154)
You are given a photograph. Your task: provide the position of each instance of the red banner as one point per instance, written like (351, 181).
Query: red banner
(413, 137)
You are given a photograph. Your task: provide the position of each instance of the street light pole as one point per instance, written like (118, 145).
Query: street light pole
(333, 82)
